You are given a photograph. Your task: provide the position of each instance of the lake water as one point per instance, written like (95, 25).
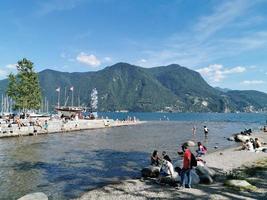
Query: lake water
(63, 166)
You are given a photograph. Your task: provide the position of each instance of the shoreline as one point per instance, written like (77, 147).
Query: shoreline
(222, 161)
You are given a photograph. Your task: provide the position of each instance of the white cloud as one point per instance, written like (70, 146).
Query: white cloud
(11, 66)
(63, 55)
(108, 59)
(7, 69)
(143, 61)
(252, 82)
(3, 73)
(46, 7)
(217, 72)
(221, 16)
(88, 59)
(205, 42)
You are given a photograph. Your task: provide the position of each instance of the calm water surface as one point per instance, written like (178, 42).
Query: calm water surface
(63, 166)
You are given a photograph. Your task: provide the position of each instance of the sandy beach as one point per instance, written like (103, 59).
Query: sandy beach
(222, 161)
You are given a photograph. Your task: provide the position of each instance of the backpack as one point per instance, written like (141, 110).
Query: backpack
(205, 148)
(193, 162)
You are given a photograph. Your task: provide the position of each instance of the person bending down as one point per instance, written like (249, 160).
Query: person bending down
(202, 150)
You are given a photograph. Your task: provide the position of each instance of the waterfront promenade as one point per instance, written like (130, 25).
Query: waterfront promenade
(48, 126)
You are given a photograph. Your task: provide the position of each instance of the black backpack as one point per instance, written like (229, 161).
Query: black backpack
(193, 162)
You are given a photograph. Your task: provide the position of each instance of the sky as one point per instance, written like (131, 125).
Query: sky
(225, 41)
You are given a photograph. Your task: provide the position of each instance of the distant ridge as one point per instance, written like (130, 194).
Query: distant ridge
(171, 88)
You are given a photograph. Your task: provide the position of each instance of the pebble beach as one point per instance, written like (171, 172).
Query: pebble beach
(222, 161)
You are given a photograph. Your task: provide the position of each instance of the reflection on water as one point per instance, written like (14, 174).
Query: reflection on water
(63, 166)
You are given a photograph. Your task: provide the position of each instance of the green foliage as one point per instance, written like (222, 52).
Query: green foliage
(24, 88)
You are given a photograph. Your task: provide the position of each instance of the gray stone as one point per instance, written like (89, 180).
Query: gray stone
(231, 139)
(241, 138)
(206, 171)
(240, 184)
(190, 143)
(151, 171)
(206, 179)
(195, 177)
(34, 196)
(168, 180)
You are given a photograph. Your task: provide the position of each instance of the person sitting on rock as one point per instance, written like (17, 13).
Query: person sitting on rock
(155, 158)
(167, 169)
(249, 146)
(202, 150)
(166, 157)
(257, 143)
(253, 143)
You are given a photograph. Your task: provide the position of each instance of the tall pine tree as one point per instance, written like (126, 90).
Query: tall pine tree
(24, 88)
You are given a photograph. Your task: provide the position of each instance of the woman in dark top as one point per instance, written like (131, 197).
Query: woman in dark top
(155, 158)
(166, 157)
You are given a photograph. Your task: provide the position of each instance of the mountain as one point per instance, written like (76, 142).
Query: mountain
(128, 87)
(222, 89)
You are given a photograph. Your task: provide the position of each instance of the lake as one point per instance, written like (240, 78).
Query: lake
(63, 166)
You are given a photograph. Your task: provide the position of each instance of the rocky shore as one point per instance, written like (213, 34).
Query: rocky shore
(224, 162)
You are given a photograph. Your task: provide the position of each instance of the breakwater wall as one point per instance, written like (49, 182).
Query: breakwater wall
(60, 126)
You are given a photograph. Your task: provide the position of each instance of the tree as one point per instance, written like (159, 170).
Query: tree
(24, 88)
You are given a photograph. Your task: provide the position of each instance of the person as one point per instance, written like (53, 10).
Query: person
(37, 123)
(155, 158)
(167, 169)
(194, 129)
(206, 131)
(202, 150)
(186, 170)
(257, 143)
(249, 145)
(166, 157)
(45, 125)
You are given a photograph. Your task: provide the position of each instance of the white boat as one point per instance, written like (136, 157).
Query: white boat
(69, 111)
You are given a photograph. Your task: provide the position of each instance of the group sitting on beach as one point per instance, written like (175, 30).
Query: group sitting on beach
(251, 145)
(184, 171)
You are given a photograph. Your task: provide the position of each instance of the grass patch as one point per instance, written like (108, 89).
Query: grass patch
(255, 174)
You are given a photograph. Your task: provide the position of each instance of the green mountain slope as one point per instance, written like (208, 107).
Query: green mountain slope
(196, 94)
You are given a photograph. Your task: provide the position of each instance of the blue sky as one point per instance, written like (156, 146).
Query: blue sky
(226, 41)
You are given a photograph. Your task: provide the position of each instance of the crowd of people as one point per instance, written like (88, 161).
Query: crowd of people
(189, 161)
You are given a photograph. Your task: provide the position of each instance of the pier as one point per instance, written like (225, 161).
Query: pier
(49, 126)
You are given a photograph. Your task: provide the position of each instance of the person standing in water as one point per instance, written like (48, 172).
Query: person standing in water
(194, 129)
(206, 131)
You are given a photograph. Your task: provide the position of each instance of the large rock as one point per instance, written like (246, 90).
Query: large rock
(241, 138)
(34, 196)
(231, 139)
(170, 180)
(206, 179)
(190, 143)
(195, 177)
(150, 171)
(205, 171)
(240, 185)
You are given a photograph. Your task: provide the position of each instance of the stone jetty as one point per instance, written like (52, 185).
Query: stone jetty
(47, 126)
